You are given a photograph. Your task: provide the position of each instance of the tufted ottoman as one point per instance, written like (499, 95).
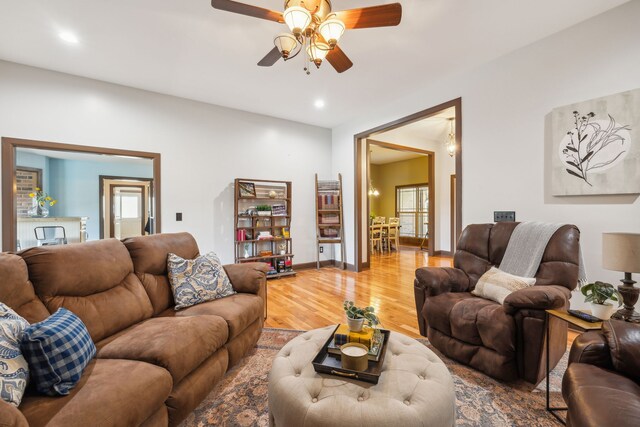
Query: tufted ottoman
(415, 388)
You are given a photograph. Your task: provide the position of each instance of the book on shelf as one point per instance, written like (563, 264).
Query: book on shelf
(286, 233)
(278, 210)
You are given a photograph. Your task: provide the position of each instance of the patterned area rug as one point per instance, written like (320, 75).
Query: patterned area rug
(240, 399)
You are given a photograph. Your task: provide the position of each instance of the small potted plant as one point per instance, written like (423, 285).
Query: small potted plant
(264, 210)
(356, 316)
(598, 293)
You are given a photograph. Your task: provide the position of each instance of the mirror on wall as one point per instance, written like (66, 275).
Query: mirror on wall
(63, 194)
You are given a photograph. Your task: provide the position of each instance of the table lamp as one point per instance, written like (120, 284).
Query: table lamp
(621, 252)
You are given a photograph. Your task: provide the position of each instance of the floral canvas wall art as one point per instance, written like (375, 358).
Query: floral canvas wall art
(596, 146)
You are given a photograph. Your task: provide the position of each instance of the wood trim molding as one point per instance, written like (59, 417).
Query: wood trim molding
(442, 253)
(358, 146)
(324, 263)
(9, 145)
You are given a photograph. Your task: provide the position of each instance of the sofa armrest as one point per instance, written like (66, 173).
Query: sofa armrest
(591, 348)
(10, 416)
(624, 345)
(437, 280)
(538, 298)
(249, 278)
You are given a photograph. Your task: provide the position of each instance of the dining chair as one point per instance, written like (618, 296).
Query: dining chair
(375, 237)
(394, 220)
(393, 236)
(50, 235)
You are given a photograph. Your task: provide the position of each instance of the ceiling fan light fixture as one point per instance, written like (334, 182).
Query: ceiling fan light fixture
(317, 52)
(285, 43)
(331, 30)
(297, 19)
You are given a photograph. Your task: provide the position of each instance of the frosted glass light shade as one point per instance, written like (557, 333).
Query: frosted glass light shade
(297, 19)
(332, 29)
(285, 43)
(317, 52)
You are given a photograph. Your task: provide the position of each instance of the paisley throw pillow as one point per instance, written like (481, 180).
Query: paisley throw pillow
(14, 370)
(194, 281)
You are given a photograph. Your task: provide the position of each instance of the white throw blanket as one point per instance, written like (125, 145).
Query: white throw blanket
(526, 247)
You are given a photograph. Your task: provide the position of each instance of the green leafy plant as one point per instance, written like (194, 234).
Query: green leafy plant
(600, 292)
(354, 312)
(263, 208)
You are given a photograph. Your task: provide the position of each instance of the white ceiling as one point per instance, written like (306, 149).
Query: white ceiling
(188, 49)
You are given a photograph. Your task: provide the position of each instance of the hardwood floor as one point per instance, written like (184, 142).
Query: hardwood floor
(313, 298)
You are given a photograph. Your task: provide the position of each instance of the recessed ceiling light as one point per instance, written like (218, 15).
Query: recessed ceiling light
(68, 37)
(319, 104)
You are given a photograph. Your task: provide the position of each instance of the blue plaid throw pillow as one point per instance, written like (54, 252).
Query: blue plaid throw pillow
(57, 350)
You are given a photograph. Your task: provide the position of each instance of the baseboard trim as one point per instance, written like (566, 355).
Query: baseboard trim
(442, 253)
(323, 263)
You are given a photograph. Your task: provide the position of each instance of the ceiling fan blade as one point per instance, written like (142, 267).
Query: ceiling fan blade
(246, 9)
(387, 15)
(339, 60)
(271, 58)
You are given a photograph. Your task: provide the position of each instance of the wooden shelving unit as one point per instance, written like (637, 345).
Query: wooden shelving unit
(329, 220)
(264, 238)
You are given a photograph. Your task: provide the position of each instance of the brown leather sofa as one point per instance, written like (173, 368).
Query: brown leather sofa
(601, 384)
(153, 365)
(504, 341)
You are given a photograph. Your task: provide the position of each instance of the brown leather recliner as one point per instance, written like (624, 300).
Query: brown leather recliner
(601, 385)
(504, 341)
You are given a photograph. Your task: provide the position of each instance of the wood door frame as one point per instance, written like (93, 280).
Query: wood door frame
(9, 145)
(358, 147)
(416, 240)
(103, 178)
(452, 212)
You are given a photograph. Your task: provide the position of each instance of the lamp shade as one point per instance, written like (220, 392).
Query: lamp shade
(621, 252)
(332, 30)
(317, 52)
(285, 43)
(297, 19)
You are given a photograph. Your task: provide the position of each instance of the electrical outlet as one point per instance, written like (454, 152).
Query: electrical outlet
(504, 216)
(321, 249)
(178, 216)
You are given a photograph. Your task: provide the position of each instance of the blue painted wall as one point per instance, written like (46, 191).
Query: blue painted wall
(37, 161)
(76, 184)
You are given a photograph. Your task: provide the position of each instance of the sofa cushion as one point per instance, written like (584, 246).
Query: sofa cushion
(179, 345)
(239, 311)
(14, 370)
(111, 393)
(624, 341)
(149, 255)
(17, 291)
(57, 350)
(194, 281)
(597, 397)
(94, 280)
(472, 320)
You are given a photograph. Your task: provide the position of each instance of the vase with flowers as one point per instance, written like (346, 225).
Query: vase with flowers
(42, 201)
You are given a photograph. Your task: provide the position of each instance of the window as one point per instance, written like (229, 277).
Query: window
(412, 207)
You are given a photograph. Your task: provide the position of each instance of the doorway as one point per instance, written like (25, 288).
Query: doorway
(440, 242)
(126, 207)
(402, 189)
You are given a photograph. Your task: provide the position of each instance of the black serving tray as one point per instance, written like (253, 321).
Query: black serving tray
(327, 363)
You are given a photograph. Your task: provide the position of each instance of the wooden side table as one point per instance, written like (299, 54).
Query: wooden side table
(579, 324)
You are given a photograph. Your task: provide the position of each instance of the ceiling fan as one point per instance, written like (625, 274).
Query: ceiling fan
(315, 29)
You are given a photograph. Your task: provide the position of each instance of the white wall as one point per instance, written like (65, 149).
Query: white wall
(504, 104)
(203, 147)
